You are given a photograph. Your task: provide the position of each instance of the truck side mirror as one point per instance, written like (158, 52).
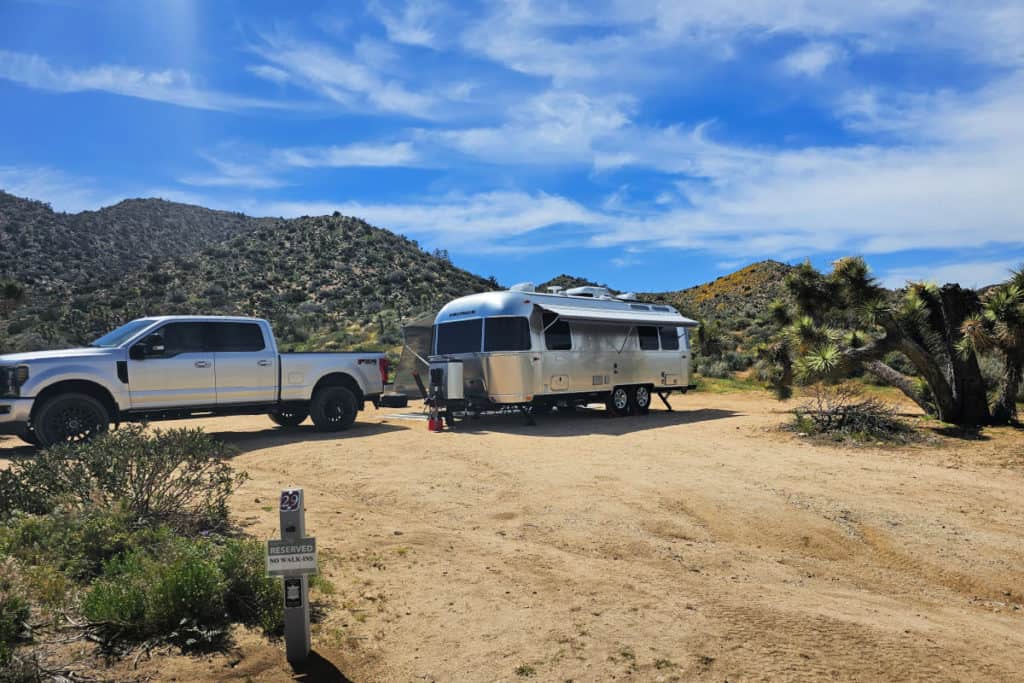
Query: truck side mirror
(153, 345)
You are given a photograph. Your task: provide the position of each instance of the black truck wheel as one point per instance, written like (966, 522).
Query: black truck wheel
(289, 417)
(642, 399)
(333, 409)
(28, 435)
(69, 417)
(619, 401)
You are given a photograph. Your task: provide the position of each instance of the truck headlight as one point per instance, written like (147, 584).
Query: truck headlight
(11, 380)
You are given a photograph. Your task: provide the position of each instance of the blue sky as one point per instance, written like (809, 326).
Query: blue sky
(648, 145)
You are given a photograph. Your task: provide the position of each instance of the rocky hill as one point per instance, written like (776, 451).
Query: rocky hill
(325, 282)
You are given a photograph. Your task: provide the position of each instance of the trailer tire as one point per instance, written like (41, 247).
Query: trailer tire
(620, 401)
(642, 399)
(288, 417)
(333, 409)
(70, 417)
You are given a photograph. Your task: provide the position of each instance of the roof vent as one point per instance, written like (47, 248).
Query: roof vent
(523, 287)
(554, 289)
(628, 296)
(590, 292)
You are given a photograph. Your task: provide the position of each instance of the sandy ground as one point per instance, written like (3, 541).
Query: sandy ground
(696, 545)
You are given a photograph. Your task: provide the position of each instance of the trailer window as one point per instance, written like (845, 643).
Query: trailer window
(669, 338)
(458, 337)
(648, 338)
(557, 335)
(507, 334)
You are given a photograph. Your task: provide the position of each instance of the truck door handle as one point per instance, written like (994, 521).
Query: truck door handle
(202, 363)
(264, 363)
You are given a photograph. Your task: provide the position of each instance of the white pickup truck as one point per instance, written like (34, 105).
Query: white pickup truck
(177, 367)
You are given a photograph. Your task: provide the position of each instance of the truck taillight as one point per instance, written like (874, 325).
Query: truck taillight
(385, 365)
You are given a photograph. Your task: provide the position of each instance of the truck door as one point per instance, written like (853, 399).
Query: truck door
(182, 374)
(246, 364)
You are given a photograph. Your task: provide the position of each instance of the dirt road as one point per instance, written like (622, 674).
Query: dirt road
(701, 544)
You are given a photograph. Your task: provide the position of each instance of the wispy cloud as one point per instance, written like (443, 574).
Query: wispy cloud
(812, 60)
(61, 190)
(410, 24)
(968, 274)
(352, 83)
(340, 156)
(173, 86)
(228, 173)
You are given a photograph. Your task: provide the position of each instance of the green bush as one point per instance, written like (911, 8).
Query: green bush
(252, 598)
(14, 612)
(179, 477)
(77, 542)
(186, 590)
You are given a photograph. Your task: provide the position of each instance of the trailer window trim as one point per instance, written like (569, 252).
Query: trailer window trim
(462, 322)
(549, 332)
(526, 325)
(669, 334)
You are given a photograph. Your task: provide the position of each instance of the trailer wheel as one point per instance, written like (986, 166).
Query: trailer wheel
(619, 401)
(70, 417)
(289, 417)
(333, 408)
(642, 399)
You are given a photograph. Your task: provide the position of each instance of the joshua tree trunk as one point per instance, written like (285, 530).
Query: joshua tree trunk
(1005, 407)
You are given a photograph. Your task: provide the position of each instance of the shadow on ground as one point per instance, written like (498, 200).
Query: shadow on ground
(319, 670)
(279, 436)
(584, 421)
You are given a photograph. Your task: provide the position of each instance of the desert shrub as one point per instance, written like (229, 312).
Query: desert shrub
(179, 477)
(715, 368)
(251, 597)
(14, 612)
(844, 412)
(77, 542)
(186, 591)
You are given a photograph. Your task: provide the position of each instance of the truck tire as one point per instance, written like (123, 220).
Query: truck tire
(620, 401)
(29, 437)
(333, 408)
(69, 417)
(642, 399)
(289, 417)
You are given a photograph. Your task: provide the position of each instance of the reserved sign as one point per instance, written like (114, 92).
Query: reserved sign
(294, 557)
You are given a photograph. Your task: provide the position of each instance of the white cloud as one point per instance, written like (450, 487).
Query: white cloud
(269, 73)
(173, 86)
(62, 191)
(234, 174)
(353, 83)
(811, 60)
(969, 274)
(411, 25)
(397, 154)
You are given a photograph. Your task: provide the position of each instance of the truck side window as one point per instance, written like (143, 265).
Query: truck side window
(507, 334)
(557, 336)
(237, 337)
(184, 338)
(669, 338)
(648, 338)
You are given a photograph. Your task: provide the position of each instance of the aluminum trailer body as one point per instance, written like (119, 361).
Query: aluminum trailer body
(522, 347)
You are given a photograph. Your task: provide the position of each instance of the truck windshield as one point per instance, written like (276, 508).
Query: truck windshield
(458, 337)
(122, 334)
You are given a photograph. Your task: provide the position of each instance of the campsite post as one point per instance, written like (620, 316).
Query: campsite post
(294, 558)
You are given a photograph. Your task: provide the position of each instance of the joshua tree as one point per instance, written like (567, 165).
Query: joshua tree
(999, 327)
(845, 321)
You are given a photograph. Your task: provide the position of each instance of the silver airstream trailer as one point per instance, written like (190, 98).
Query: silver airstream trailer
(537, 350)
